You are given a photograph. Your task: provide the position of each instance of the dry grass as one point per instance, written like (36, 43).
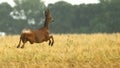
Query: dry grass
(69, 51)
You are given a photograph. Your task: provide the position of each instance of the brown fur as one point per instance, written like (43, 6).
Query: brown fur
(40, 35)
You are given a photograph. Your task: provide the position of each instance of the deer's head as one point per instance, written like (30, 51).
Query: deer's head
(48, 17)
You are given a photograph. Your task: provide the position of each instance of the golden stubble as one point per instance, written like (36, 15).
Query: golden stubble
(69, 51)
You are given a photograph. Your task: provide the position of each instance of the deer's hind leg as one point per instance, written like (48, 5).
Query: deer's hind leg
(19, 43)
(24, 41)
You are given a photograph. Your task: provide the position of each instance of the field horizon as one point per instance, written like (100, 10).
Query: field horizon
(99, 50)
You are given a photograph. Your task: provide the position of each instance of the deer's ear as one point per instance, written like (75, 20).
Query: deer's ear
(47, 13)
(48, 10)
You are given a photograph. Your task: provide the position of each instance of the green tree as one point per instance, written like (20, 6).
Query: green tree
(29, 10)
(62, 14)
(5, 18)
(108, 20)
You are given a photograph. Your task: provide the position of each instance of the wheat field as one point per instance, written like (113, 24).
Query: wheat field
(69, 51)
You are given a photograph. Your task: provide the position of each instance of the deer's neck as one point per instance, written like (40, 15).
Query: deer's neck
(46, 24)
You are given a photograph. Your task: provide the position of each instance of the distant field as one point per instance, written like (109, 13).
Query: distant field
(69, 51)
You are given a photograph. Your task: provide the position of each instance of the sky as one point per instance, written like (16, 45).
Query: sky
(73, 2)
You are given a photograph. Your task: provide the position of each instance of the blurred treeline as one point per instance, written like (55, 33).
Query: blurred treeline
(83, 18)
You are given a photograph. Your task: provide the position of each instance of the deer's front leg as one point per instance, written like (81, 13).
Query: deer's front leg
(51, 37)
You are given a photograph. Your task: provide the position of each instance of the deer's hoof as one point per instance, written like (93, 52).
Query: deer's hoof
(17, 46)
(22, 47)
